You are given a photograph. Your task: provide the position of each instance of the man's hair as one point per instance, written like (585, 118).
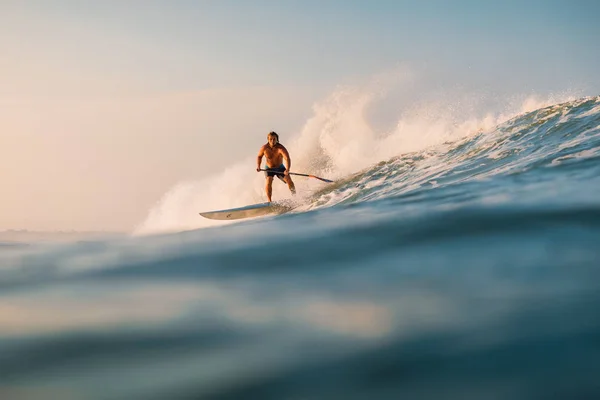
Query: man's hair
(273, 134)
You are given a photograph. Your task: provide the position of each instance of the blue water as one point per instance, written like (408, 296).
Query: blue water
(469, 270)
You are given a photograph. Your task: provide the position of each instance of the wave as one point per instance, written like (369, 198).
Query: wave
(343, 141)
(553, 136)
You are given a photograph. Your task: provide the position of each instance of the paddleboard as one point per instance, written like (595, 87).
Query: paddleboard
(254, 210)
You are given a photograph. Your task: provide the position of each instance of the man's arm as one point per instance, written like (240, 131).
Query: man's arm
(287, 158)
(261, 153)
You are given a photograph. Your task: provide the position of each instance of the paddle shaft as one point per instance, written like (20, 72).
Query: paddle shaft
(298, 174)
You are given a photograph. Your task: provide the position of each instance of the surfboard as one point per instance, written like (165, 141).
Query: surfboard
(254, 210)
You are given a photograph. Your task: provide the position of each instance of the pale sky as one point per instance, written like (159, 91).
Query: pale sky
(106, 105)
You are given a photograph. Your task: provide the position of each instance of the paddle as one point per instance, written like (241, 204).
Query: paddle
(294, 173)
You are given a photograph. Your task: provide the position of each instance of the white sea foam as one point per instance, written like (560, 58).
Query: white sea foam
(345, 135)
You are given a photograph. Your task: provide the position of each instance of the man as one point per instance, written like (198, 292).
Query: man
(275, 153)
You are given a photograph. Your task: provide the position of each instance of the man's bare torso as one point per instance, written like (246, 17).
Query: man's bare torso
(273, 155)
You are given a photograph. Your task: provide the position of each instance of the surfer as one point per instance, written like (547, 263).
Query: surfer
(275, 153)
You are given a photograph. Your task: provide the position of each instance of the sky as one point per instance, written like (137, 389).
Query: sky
(107, 105)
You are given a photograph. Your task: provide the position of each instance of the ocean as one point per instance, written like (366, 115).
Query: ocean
(468, 268)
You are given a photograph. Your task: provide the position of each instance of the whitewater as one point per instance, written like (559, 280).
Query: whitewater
(455, 256)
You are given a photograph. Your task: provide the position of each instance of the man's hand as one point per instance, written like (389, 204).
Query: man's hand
(257, 169)
(286, 172)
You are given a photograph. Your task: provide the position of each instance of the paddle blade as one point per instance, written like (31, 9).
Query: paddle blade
(321, 179)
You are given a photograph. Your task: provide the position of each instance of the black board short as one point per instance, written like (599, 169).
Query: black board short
(277, 171)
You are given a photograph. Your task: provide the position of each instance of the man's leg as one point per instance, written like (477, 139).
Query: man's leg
(269, 187)
(290, 183)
